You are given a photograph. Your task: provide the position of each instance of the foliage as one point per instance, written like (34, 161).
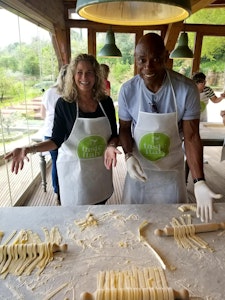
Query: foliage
(208, 16)
(213, 53)
(23, 65)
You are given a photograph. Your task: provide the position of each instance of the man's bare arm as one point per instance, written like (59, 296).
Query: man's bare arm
(125, 136)
(193, 148)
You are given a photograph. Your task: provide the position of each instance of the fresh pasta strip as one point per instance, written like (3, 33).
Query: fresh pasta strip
(184, 234)
(135, 284)
(28, 252)
(144, 241)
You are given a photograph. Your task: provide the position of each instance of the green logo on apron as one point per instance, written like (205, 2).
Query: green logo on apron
(202, 106)
(91, 147)
(154, 146)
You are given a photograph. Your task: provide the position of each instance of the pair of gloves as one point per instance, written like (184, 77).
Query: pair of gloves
(204, 196)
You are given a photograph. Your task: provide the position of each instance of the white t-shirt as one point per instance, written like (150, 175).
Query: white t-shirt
(49, 100)
(207, 94)
(186, 93)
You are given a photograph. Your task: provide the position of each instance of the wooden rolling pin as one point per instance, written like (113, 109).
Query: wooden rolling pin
(59, 248)
(125, 294)
(168, 231)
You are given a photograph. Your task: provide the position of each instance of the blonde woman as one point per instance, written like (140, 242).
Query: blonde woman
(85, 132)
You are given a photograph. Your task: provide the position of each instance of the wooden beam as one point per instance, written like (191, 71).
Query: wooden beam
(61, 44)
(92, 41)
(197, 53)
(205, 29)
(196, 5)
(43, 13)
(170, 39)
(172, 34)
(100, 27)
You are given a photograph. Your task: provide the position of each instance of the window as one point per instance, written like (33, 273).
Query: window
(79, 42)
(27, 67)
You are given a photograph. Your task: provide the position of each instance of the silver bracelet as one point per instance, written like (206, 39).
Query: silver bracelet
(33, 149)
(112, 145)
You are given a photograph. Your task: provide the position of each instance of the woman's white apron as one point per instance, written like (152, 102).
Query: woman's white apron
(83, 178)
(157, 146)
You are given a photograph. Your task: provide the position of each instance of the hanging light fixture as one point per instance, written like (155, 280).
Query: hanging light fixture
(110, 49)
(134, 12)
(182, 50)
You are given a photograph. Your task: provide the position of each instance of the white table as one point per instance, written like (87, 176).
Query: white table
(97, 249)
(212, 134)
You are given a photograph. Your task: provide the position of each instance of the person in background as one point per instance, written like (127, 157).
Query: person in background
(105, 72)
(85, 132)
(49, 100)
(157, 108)
(206, 94)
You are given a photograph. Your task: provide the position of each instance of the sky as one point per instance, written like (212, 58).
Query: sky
(10, 33)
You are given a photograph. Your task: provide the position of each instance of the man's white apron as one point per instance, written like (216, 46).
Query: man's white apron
(158, 148)
(83, 178)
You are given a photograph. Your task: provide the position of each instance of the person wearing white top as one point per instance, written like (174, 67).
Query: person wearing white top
(49, 100)
(206, 94)
(157, 108)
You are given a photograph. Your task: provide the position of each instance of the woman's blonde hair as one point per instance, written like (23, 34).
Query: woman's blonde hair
(70, 91)
(61, 79)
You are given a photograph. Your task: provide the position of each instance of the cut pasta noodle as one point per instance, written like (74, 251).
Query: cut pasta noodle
(28, 252)
(184, 234)
(135, 284)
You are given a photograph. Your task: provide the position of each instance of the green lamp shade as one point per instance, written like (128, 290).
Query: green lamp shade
(182, 50)
(134, 12)
(110, 49)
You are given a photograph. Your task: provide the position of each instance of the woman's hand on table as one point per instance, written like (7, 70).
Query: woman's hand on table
(110, 156)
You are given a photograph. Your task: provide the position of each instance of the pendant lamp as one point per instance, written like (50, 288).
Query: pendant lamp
(134, 12)
(110, 49)
(182, 50)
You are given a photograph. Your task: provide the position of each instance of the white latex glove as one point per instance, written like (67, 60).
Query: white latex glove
(135, 170)
(204, 198)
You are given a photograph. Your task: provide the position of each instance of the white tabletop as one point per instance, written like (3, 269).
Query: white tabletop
(99, 248)
(213, 131)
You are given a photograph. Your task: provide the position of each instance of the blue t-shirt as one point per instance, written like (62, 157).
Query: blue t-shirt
(134, 95)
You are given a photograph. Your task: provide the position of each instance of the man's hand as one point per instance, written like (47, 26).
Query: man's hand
(135, 170)
(204, 198)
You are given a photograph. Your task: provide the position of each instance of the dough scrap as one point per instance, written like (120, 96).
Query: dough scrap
(145, 242)
(187, 207)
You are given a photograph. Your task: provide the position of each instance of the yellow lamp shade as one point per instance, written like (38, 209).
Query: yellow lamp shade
(134, 12)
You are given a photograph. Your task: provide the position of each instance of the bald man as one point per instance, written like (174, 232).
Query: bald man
(157, 108)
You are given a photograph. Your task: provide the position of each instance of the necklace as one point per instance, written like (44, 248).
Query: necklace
(88, 105)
